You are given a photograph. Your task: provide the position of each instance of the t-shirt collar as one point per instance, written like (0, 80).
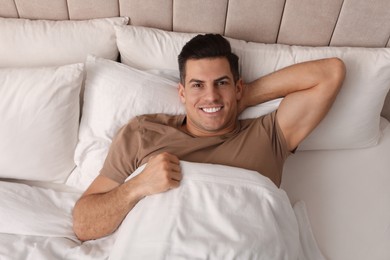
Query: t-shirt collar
(182, 121)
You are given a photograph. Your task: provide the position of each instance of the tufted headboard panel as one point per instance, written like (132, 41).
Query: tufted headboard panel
(298, 22)
(358, 23)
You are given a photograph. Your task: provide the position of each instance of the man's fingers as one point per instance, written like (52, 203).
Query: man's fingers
(175, 167)
(164, 172)
(168, 161)
(170, 157)
(177, 176)
(165, 156)
(174, 183)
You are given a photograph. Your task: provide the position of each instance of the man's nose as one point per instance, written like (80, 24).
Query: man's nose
(212, 93)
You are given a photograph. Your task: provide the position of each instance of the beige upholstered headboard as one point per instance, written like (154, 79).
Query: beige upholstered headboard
(355, 23)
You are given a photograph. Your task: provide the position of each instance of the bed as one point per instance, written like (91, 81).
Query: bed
(73, 72)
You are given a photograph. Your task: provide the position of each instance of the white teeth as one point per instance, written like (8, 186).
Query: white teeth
(211, 109)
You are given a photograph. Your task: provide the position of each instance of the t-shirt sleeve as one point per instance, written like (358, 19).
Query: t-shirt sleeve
(279, 144)
(122, 155)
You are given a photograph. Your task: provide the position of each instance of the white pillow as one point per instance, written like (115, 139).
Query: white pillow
(353, 121)
(26, 42)
(115, 93)
(39, 113)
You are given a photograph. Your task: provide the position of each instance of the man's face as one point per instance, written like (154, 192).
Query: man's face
(210, 96)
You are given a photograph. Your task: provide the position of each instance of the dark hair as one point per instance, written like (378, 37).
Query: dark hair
(207, 46)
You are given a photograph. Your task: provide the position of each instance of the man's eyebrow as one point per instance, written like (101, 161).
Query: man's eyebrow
(196, 81)
(216, 80)
(222, 78)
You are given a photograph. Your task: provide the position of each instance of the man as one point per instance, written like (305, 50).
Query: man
(210, 132)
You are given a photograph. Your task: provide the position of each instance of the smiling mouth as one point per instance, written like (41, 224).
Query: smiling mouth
(211, 109)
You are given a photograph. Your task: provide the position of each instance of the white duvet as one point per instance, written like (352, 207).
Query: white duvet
(218, 212)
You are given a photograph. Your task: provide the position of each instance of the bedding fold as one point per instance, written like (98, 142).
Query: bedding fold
(33, 211)
(36, 223)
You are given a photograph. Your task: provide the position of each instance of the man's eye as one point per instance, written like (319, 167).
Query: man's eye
(222, 83)
(197, 85)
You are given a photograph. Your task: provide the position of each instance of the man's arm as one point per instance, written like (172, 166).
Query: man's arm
(104, 205)
(309, 89)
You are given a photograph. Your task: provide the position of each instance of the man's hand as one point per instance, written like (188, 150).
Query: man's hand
(105, 204)
(160, 174)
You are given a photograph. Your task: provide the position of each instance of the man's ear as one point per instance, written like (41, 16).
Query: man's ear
(241, 97)
(239, 89)
(182, 93)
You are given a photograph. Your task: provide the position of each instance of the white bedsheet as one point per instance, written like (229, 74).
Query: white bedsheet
(218, 212)
(218, 220)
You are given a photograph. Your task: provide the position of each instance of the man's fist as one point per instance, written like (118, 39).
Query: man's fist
(160, 174)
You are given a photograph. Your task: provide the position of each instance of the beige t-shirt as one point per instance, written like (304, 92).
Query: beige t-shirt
(256, 144)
